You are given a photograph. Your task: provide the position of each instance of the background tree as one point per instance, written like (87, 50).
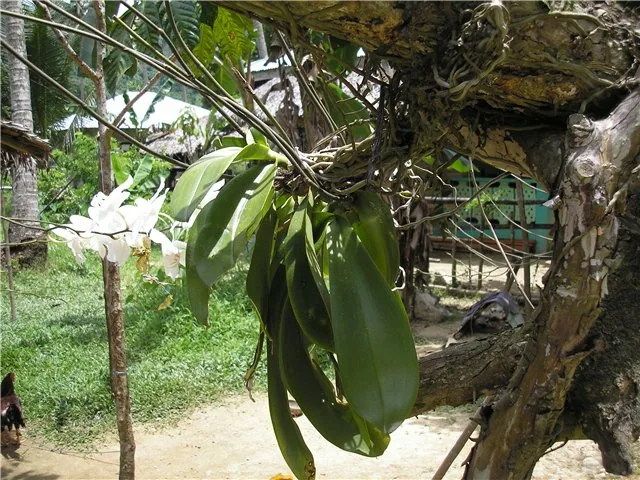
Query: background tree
(24, 203)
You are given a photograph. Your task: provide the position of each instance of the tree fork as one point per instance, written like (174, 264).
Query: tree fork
(523, 422)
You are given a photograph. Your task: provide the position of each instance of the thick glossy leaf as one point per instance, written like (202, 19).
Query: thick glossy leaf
(197, 292)
(119, 171)
(198, 179)
(228, 224)
(374, 225)
(306, 299)
(314, 264)
(316, 397)
(258, 277)
(256, 151)
(258, 137)
(143, 171)
(374, 345)
(229, 141)
(290, 441)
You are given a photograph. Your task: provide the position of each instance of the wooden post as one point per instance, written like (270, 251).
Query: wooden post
(111, 280)
(480, 259)
(454, 276)
(525, 240)
(7, 256)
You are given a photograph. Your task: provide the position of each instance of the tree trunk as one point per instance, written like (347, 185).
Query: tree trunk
(24, 202)
(604, 400)
(261, 44)
(111, 280)
(523, 423)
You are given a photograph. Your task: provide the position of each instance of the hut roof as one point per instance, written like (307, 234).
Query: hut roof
(176, 143)
(164, 112)
(18, 141)
(272, 93)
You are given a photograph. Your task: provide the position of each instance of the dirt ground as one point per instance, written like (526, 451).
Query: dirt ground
(233, 440)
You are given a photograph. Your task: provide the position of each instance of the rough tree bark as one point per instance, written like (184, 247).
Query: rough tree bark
(523, 422)
(520, 86)
(24, 201)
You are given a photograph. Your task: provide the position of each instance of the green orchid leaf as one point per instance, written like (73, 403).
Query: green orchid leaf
(258, 277)
(198, 179)
(258, 152)
(230, 219)
(373, 340)
(375, 228)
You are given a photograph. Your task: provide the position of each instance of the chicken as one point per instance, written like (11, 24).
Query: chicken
(11, 408)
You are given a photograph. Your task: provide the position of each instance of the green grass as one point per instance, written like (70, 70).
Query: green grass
(58, 348)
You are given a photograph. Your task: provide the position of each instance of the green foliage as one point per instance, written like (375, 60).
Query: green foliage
(196, 182)
(348, 307)
(68, 186)
(225, 44)
(224, 226)
(58, 348)
(49, 106)
(348, 111)
(375, 349)
(186, 15)
(233, 33)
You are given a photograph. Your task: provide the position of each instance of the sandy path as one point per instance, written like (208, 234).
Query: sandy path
(235, 441)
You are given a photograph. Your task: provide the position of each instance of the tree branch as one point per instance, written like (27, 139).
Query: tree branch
(86, 69)
(92, 112)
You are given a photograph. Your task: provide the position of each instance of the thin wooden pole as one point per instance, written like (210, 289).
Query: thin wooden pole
(111, 279)
(525, 240)
(7, 256)
(457, 447)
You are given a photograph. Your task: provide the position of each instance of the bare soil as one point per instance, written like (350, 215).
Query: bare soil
(234, 440)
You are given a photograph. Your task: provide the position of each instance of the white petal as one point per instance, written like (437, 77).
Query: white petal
(80, 223)
(172, 265)
(118, 251)
(157, 236)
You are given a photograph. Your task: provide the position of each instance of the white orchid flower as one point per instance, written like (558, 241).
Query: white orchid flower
(74, 241)
(143, 215)
(103, 230)
(113, 229)
(104, 206)
(173, 253)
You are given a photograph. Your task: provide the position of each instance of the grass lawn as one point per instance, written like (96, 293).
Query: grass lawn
(58, 348)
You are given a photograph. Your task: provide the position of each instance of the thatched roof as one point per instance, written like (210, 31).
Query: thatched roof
(18, 141)
(176, 143)
(272, 93)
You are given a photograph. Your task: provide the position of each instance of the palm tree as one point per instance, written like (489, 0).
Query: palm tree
(24, 203)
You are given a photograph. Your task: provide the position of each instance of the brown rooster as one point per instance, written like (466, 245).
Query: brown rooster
(11, 408)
